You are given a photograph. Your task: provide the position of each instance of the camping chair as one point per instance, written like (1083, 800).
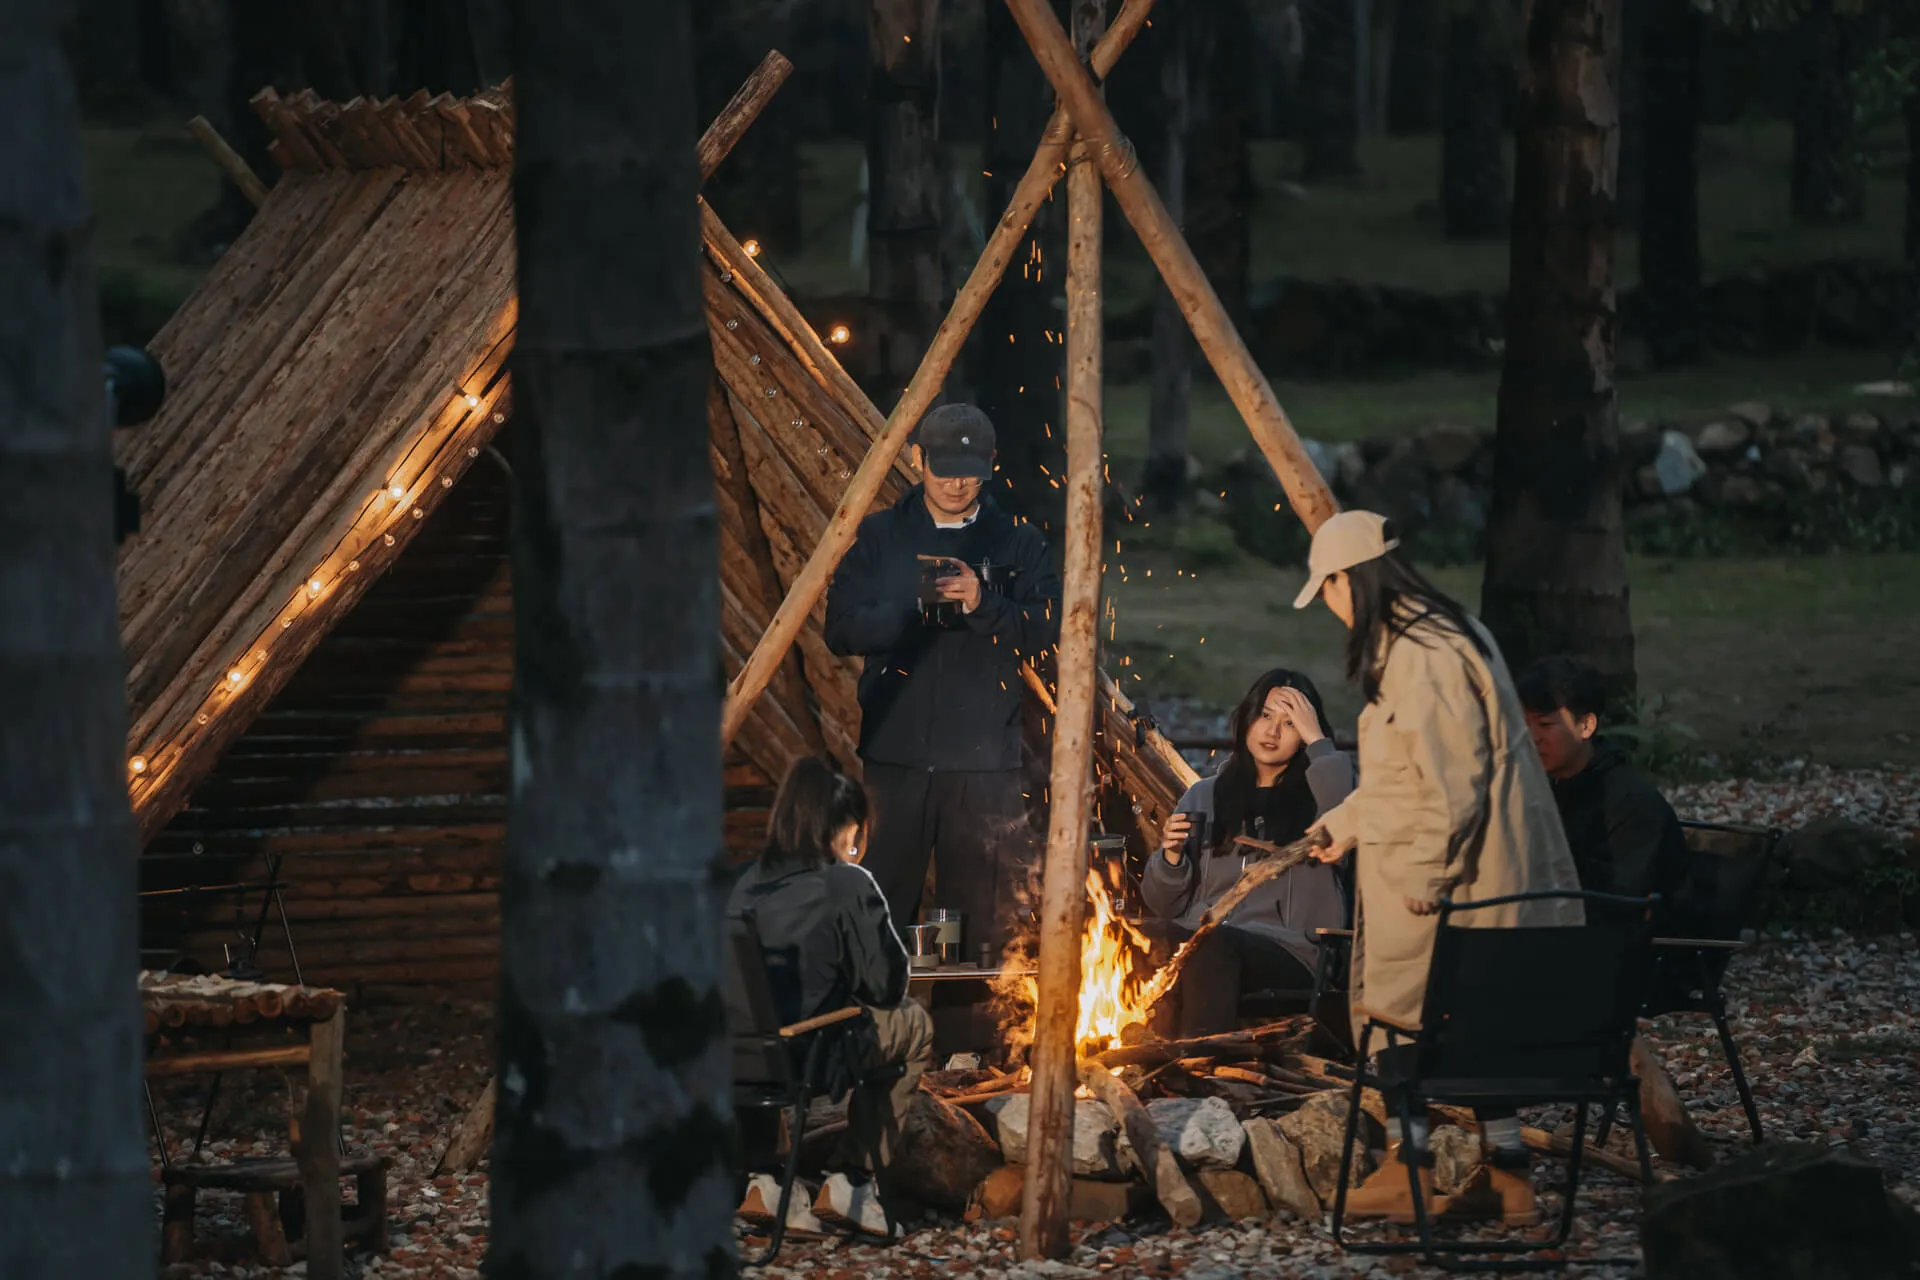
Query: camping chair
(783, 1067)
(1717, 901)
(1513, 1017)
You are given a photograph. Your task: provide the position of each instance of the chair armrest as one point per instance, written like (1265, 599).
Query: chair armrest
(806, 1025)
(1702, 944)
(1398, 1024)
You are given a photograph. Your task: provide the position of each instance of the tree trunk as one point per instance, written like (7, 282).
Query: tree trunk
(1413, 84)
(903, 207)
(75, 1197)
(1017, 367)
(1163, 483)
(1329, 123)
(1556, 567)
(1219, 189)
(1630, 184)
(1912, 112)
(103, 38)
(1829, 184)
(613, 1057)
(757, 189)
(1670, 208)
(1474, 196)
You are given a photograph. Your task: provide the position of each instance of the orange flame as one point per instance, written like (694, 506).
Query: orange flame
(1114, 976)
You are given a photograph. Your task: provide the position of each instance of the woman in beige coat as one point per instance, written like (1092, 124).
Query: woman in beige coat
(1451, 803)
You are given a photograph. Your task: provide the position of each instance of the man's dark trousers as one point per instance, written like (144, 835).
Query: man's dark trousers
(974, 826)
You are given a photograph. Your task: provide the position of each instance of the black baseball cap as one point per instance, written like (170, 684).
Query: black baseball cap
(957, 442)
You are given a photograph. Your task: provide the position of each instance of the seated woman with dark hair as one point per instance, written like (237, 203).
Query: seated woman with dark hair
(1282, 773)
(822, 918)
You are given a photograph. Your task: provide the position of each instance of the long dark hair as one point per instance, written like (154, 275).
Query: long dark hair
(1235, 783)
(1390, 597)
(814, 802)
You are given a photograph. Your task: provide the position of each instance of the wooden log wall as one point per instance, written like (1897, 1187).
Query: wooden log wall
(379, 772)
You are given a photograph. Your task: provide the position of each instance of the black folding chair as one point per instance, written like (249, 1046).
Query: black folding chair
(780, 1068)
(1718, 900)
(1513, 1017)
(1329, 1005)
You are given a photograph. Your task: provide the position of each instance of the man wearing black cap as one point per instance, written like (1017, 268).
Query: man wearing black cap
(944, 594)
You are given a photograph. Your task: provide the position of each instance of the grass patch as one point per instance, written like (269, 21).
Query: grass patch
(1778, 657)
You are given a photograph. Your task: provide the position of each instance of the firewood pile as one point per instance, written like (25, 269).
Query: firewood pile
(204, 1000)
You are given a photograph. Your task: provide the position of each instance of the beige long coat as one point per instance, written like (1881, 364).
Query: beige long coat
(1452, 803)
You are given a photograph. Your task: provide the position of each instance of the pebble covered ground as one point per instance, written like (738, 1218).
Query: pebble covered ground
(1827, 1026)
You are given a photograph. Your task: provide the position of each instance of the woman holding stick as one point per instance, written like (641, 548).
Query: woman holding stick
(1452, 803)
(1281, 773)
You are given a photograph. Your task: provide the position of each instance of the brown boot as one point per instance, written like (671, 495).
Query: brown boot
(1386, 1196)
(1501, 1188)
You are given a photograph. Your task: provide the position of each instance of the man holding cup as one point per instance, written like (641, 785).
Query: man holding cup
(943, 595)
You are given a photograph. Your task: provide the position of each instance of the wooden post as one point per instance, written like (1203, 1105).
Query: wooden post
(317, 1150)
(1212, 329)
(1158, 1165)
(1063, 903)
(741, 110)
(812, 581)
(229, 161)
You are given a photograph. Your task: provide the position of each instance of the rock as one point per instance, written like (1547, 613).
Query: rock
(1754, 413)
(1741, 491)
(1316, 1128)
(1647, 480)
(1791, 465)
(1639, 443)
(1202, 1131)
(1349, 464)
(1456, 1155)
(1677, 466)
(963, 1062)
(998, 1196)
(1860, 464)
(1721, 439)
(1815, 432)
(1396, 487)
(1457, 504)
(1276, 1162)
(1095, 1151)
(942, 1153)
(1787, 1211)
(1860, 428)
(1237, 1194)
(1833, 853)
(1448, 448)
(1321, 456)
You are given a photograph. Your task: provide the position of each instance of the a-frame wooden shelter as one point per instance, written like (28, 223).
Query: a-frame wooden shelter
(317, 614)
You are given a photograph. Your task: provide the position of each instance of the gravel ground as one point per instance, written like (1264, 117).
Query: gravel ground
(1827, 1026)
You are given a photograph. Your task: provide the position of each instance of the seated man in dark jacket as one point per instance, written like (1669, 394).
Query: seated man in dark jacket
(829, 944)
(943, 595)
(1623, 834)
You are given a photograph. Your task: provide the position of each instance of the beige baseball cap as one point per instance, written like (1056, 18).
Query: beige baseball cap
(1345, 540)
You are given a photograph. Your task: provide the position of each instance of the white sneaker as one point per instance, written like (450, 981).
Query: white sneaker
(763, 1197)
(858, 1207)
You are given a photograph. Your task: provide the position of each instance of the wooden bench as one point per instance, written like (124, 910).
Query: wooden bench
(275, 1206)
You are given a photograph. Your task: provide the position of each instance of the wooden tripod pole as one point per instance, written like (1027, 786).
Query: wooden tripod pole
(1063, 894)
(811, 583)
(1212, 329)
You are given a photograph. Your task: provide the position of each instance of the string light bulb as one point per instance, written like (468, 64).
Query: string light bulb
(138, 764)
(839, 335)
(752, 247)
(314, 585)
(396, 491)
(473, 401)
(236, 677)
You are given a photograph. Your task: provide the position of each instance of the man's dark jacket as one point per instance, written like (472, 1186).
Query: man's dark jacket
(934, 698)
(1622, 832)
(827, 937)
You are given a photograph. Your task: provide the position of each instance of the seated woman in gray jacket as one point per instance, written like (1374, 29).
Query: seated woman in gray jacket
(1282, 773)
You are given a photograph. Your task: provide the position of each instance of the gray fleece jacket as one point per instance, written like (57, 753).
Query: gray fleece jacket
(1286, 909)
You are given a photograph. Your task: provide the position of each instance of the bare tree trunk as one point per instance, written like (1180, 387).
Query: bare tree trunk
(1912, 112)
(1828, 185)
(611, 1146)
(1170, 393)
(1556, 566)
(1017, 368)
(1063, 908)
(1329, 123)
(1413, 88)
(1219, 194)
(903, 208)
(1474, 196)
(1670, 204)
(74, 1190)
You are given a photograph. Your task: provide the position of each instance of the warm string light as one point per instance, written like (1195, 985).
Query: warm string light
(752, 247)
(237, 676)
(839, 335)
